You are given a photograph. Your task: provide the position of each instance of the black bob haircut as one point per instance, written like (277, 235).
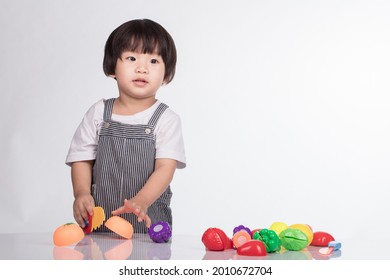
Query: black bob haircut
(144, 36)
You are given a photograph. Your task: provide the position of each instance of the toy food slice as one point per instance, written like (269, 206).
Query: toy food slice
(96, 220)
(321, 239)
(120, 226)
(241, 237)
(252, 248)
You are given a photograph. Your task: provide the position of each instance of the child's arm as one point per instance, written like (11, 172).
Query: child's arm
(83, 200)
(154, 187)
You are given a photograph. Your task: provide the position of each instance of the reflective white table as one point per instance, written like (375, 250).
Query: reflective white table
(108, 246)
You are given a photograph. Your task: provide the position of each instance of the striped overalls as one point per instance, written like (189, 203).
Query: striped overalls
(124, 162)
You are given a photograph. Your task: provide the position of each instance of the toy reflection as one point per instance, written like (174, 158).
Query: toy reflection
(110, 246)
(309, 253)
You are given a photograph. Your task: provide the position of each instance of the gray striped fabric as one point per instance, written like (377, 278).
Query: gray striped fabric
(124, 162)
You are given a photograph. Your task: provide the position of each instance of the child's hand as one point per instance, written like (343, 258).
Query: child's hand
(82, 207)
(131, 206)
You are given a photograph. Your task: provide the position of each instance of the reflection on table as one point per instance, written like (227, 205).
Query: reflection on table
(309, 253)
(109, 246)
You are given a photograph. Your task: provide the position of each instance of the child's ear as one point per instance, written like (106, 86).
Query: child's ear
(112, 76)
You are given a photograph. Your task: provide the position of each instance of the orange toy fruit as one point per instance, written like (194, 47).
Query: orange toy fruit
(67, 234)
(240, 238)
(96, 220)
(120, 226)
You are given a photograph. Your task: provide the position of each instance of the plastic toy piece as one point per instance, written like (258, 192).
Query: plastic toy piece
(253, 231)
(332, 246)
(241, 237)
(293, 239)
(321, 239)
(215, 239)
(160, 232)
(241, 227)
(278, 227)
(120, 226)
(252, 248)
(305, 229)
(270, 239)
(96, 220)
(68, 234)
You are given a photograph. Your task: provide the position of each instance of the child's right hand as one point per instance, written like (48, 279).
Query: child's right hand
(82, 207)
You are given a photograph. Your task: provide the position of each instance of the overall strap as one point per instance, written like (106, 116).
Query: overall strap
(108, 105)
(157, 114)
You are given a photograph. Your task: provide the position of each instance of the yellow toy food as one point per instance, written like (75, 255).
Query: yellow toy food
(278, 227)
(96, 220)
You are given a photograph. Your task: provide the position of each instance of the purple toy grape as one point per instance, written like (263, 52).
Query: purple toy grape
(241, 227)
(160, 232)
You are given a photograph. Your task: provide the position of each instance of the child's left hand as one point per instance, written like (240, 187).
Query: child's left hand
(131, 206)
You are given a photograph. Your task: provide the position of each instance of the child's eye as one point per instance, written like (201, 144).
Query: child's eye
(154, 61)
(131, 58)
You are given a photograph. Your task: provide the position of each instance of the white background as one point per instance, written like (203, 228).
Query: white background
(285, 107)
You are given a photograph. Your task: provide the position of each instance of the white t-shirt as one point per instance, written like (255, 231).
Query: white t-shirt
(168, 133)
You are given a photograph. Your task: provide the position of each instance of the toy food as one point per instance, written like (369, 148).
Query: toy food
(293, 239)
(241, 237)
(254, 230)
(241, 227)
(160, 232)
(305, 229)
(252, 248)
(120, 226)
(332, 246)
(321, 238)
(270, 239)
(278, 227)
(68, 234)
(96, 220)
(215, 239)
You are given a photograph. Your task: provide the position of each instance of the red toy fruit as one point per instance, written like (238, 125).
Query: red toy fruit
(252, 248)
(215, 239)
(321, 238)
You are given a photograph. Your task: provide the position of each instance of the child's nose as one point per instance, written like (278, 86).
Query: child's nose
(141, 69)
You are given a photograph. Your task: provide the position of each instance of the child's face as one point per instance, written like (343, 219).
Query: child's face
(139, 75)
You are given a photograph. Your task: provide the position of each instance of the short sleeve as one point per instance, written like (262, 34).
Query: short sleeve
(85, 140)
(169, 138)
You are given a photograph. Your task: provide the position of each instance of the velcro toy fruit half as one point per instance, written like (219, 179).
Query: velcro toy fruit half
(96, 220)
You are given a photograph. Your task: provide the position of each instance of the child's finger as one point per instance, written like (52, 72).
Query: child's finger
(119, 211)
(89, 208)
(148, 221)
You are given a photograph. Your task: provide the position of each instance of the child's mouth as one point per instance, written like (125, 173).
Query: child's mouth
(140, 82)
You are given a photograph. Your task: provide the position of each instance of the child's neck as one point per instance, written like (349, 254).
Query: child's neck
(123, 106)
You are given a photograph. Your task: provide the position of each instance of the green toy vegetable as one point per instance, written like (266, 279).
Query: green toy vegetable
(293, 239)
(270, 239)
